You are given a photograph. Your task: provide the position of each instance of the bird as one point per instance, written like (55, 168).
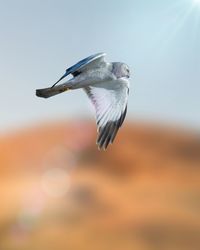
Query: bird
(107, 86)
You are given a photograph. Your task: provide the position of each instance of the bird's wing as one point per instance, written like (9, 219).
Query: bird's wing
(92, 61)
(110, 102)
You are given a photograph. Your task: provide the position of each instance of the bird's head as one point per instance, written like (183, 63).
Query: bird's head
(120, 70)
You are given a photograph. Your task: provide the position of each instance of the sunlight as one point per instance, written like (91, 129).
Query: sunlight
(197, 2)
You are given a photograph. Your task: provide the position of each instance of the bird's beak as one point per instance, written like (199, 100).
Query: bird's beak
(60, 79)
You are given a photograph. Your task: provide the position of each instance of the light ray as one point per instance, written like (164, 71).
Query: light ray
(196, 2)
(183, 11)
(179, 23)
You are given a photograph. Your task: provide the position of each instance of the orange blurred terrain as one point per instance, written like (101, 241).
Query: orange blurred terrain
(59, 192)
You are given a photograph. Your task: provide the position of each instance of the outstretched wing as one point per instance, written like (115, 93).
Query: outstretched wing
(92, 61)
(110, 102)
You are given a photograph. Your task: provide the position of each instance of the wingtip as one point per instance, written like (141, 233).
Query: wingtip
(102, 147)
(38, 93)
(41, 93)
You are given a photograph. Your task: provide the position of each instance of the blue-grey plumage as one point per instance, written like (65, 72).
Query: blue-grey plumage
(74, 70)
(107, 86)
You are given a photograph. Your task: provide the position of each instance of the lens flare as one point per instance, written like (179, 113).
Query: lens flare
(55, 182)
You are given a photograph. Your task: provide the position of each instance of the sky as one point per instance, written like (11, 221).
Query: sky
(158, 39)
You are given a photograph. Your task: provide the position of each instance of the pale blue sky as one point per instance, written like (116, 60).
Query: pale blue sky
(159, 39)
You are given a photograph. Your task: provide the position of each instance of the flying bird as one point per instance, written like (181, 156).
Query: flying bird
(107, 86)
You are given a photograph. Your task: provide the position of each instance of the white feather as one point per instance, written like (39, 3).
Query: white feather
(109, 99)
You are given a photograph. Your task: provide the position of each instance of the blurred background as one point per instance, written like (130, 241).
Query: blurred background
(57, 191)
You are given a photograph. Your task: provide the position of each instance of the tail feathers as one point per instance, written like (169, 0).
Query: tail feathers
(48, 92)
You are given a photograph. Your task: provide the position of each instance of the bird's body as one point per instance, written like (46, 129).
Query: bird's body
(107, 86)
